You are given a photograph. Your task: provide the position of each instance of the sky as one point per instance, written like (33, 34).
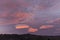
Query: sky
(39, 17)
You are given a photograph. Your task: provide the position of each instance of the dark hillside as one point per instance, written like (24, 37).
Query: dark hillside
(27, 37)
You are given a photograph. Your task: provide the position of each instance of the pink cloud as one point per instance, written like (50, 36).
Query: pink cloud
(57, 21)
(32, 30)
(23, 26)
(15, 18)
(46, 26)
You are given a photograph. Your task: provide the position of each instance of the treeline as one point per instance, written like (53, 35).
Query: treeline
(27, 37)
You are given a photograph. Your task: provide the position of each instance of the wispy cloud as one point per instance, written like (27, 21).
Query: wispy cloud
(46, 26)
(54, 21)
(23, 26)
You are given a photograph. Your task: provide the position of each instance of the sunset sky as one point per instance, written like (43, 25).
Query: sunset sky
(39, 17)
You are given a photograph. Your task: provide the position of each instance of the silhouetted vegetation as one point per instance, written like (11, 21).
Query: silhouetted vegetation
(27, 37)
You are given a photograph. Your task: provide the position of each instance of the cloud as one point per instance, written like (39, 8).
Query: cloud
(32, 30)
(46, 26)
(55, 21)
(15, 18)
(39, 7)
(55, 8)
(22, 26)
(57, 30)
(12, 16)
